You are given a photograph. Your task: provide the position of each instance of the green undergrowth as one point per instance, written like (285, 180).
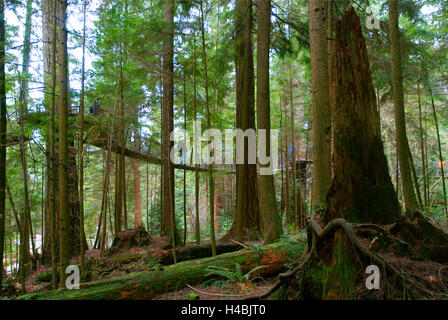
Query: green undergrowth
(145, 284)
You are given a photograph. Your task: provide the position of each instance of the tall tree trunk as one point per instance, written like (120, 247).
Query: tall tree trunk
(307, 142)
(295, 190)
(120, 191)
(410, 198)
(287, 184)
(282, 167)
(81, 143)
(137, 194)
(168, 215)
(149, 226)
(2, 136)
(118, 196)
(211, 180)
(25, 257)
(196, 166)
(49, 49)
(266, 191)
(426, 156)
(422, 148)
(320, 105)
(185, 162)
(104, 201)
(63, 165)
(50, 17)
(48, 27)
(415, 179)
(247, 220)
(124, 132)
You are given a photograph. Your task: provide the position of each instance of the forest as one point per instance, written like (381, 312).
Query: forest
(223, 150)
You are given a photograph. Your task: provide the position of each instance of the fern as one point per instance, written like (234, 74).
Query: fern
(231, 275)
(247, 275)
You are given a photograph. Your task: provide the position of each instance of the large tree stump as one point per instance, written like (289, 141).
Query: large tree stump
(362, 194)
(128, 239)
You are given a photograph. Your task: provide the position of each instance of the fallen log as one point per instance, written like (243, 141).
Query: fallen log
(165, 257)
(195, 252)
(147, 284)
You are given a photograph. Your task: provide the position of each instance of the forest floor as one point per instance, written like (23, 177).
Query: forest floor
(422, 278)
(211, 290)
(122, 259)
(220, 290)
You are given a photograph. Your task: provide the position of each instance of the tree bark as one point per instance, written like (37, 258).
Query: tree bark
(50, 16)
(138, 220)
(287, 184)
(320, 103)
(137, 194)
(415, 179)
(120, 191)
(247, 220)
(168, 222)
(266, 191)
(361, 182)
(63, 166)
(49, 53)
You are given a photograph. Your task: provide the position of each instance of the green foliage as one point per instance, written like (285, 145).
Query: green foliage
(45, 276)
(153, 263)
(193, 296)
(132, 31)
(231, 275)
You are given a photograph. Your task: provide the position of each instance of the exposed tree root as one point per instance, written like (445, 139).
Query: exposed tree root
(403, 276)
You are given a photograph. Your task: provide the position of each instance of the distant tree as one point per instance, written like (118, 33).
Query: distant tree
(2, 136)
(211, 180)
(27, 234)
(404, 155)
